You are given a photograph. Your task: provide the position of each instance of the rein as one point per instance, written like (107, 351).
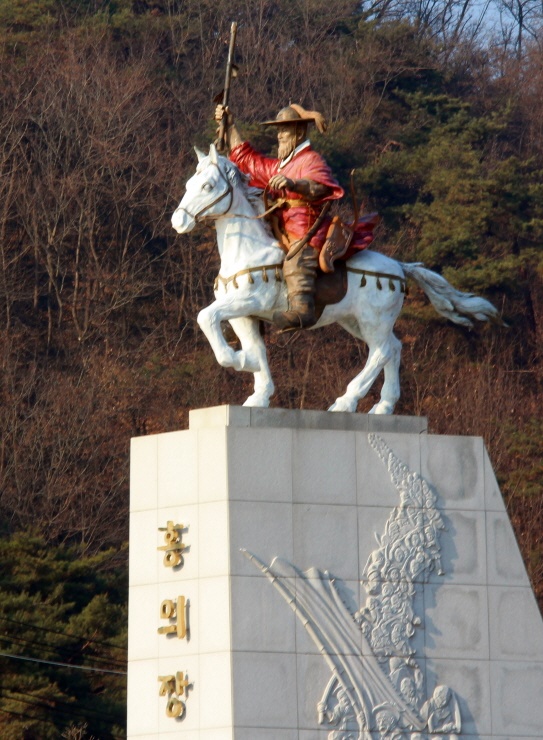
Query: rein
(198, 217)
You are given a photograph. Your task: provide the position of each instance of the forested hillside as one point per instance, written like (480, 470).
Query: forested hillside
(439, 109)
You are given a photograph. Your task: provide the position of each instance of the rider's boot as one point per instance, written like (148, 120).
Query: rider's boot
(301, 313)
(300, 273)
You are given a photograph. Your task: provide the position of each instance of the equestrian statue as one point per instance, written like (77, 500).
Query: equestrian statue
(286, 260)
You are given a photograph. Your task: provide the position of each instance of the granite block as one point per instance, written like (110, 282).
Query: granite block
(261, 620)
(324, 538)
(143, 609)
(256, 733)
(213, 687)
(142, 697)
(517, 699)
(259, 465)
(463, 548)
(265, 693)
(456, 622)
(316, 479)
(144, 561)
(493, 497)
(214, 615)
(454, 467)
(505, 565)
(515, 624)
(220, 416)
(177, 476)
(213, 539)
(212, 465)
(263, 529)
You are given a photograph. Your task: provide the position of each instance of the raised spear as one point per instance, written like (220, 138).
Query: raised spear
(230, 72)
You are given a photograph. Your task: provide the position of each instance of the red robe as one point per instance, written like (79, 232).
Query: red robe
(307, 164)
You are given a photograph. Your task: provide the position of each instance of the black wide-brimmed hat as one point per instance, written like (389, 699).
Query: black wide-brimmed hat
(294, 113)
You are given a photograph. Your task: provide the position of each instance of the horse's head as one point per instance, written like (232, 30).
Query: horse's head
(209, 192)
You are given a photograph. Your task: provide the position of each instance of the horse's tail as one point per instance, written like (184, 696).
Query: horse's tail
(459, 307)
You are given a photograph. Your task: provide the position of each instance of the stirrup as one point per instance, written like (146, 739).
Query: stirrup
(292, 320)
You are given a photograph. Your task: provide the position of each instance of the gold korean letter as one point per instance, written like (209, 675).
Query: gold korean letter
(173, 549)
(170, 609)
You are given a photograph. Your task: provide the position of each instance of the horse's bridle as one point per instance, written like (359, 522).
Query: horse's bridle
(199, 217)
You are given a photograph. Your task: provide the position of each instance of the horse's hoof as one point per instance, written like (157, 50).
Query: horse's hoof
(383, 407)
(257, 401)
(341, 404)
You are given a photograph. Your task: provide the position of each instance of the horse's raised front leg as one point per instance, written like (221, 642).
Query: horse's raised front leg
(209, 319)
(248, 331)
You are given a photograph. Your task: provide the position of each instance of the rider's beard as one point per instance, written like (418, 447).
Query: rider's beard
(285, 148)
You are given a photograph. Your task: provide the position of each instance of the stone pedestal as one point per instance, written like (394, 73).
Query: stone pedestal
(377, 524)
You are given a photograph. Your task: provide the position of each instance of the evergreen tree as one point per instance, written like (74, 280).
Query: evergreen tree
(62, 640)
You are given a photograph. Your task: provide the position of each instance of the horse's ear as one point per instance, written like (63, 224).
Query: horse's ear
(213, 156)
(199, 154)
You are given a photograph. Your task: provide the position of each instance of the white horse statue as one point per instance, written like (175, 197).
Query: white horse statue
(249, 288)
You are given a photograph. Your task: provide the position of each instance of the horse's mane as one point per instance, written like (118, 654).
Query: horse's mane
(240, 180)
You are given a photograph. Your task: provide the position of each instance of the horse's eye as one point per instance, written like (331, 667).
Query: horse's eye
(207, 186)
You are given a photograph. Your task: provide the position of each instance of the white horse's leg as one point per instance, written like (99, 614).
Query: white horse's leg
(248, 331)
(383, 353)
(358, 387)
(390, 392)
(209, 320)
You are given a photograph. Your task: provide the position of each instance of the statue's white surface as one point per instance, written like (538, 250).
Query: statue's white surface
(249, 287)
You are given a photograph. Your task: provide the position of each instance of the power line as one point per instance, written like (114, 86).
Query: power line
(62, 665)
(64, 634)
(62, 648)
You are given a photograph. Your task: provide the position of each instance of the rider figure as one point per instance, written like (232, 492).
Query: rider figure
(300, 182)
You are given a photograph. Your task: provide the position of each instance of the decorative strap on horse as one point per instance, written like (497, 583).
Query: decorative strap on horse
(249, 271)
(380, 275)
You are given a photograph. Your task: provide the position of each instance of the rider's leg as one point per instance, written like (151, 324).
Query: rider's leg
(300, 274)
